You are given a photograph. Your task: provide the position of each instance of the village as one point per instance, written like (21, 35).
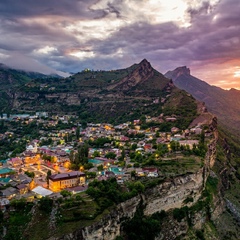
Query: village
(127, 151)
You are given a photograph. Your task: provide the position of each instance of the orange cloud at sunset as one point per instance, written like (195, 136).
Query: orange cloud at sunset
(225, 74)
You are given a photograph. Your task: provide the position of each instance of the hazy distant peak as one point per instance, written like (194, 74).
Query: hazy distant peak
(178, 72)
(234, 90)
(25, 63)
(182, 70)
(3, 66)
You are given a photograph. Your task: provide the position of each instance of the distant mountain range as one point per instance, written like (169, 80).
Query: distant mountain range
(225, 104)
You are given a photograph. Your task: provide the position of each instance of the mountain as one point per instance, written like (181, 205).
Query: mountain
(225, 104)
(143, 76)
(117, 95)
(12, 80)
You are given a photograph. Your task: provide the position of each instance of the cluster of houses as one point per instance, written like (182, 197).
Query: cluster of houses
(121, 136)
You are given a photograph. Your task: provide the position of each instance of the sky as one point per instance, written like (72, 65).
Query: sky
(69, 36)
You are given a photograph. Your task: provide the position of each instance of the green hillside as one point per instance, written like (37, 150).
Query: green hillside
(113, 96)
(11, 81)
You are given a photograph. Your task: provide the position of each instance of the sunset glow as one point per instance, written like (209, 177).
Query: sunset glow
(108, 34)
(237, 74)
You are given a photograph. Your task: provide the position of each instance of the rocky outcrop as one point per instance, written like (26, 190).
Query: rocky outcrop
(165, 196)
(65, 98)
(212, 146)
(177, 72)
(142, 73)
(172, 193)
(109, 226)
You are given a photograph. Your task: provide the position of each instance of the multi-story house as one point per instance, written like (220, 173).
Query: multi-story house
(61, 181)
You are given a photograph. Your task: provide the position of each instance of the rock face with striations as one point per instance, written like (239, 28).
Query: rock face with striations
(142, 73)
(178, 72)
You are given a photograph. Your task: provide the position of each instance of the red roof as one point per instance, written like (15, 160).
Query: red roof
(150, 169)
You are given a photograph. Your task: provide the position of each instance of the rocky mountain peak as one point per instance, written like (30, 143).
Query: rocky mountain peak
(178, 72)
(233, 90)
(141, 73)
(145, 62)
(144, 69)
(182, 70)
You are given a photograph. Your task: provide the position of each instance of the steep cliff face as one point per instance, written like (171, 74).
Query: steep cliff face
(172, 193)
(109, 226)
(22, 98)
(166, 196)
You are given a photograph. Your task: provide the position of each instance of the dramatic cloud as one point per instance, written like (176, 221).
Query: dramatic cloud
(108, 34)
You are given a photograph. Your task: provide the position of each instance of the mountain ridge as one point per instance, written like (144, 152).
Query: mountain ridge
(225, 104)
(105, 95)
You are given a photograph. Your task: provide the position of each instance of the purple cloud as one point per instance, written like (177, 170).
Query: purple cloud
(72, 35)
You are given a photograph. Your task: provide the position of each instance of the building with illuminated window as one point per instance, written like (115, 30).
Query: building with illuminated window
(61, 181)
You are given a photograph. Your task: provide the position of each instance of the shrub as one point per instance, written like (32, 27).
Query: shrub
(180, 213)
(65, 193)
(45, 204)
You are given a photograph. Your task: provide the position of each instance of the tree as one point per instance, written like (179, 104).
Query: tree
(71, 156)
(175, 146)
(30, 174)
(84, 124)
(100, 167)
(123, 154)
(65, 193)
(80, 157)
(138, 157)
(83, 154)
(202, 137)
(134, 146)
(45, 204)
(111, 155)
(96, 154)
(1, 216)
(19, 204)
(133, 174)
(88, 166)
(49, 173)
(143, 119)
(77, 133)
